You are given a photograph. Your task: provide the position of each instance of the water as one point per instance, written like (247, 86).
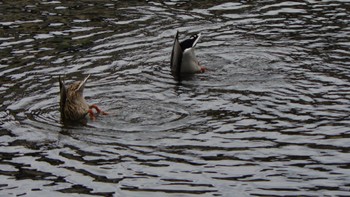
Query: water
(270, 117)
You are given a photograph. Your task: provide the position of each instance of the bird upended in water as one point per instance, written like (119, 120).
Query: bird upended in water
(183, 58)
(73, 106)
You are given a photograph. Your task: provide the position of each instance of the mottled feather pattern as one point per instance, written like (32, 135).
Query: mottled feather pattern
(73, 105)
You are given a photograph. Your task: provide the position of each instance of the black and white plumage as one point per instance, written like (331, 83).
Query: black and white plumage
(183, 58)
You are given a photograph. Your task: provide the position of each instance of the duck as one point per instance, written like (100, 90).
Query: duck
(73, 106)
(183, 58)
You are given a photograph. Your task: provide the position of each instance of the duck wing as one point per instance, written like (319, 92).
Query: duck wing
(176, 56)
(63, 95)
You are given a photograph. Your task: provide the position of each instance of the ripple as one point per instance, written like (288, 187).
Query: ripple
(268, 118)
(130, 115)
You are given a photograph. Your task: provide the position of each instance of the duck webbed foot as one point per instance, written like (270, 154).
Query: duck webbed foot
(98, 110)
(91, 115)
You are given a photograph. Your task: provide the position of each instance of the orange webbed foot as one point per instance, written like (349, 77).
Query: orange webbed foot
(92, 115)
(202, 68)
(98, 109)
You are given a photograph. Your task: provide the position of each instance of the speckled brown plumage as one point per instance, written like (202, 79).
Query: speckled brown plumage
(73, 106)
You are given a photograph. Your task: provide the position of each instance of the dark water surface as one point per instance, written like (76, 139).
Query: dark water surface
(270, 117)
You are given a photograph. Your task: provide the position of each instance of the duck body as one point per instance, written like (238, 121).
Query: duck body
(183, 58)
(73, 106)
(189, 62)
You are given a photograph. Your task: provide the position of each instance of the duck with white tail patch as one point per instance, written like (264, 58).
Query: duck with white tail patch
(183, 58)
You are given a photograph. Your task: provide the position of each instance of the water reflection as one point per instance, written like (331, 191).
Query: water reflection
(270, 117)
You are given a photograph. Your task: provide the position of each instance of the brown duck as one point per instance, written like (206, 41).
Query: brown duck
(73, 106)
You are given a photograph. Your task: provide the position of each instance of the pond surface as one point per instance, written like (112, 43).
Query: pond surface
(270, 117)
